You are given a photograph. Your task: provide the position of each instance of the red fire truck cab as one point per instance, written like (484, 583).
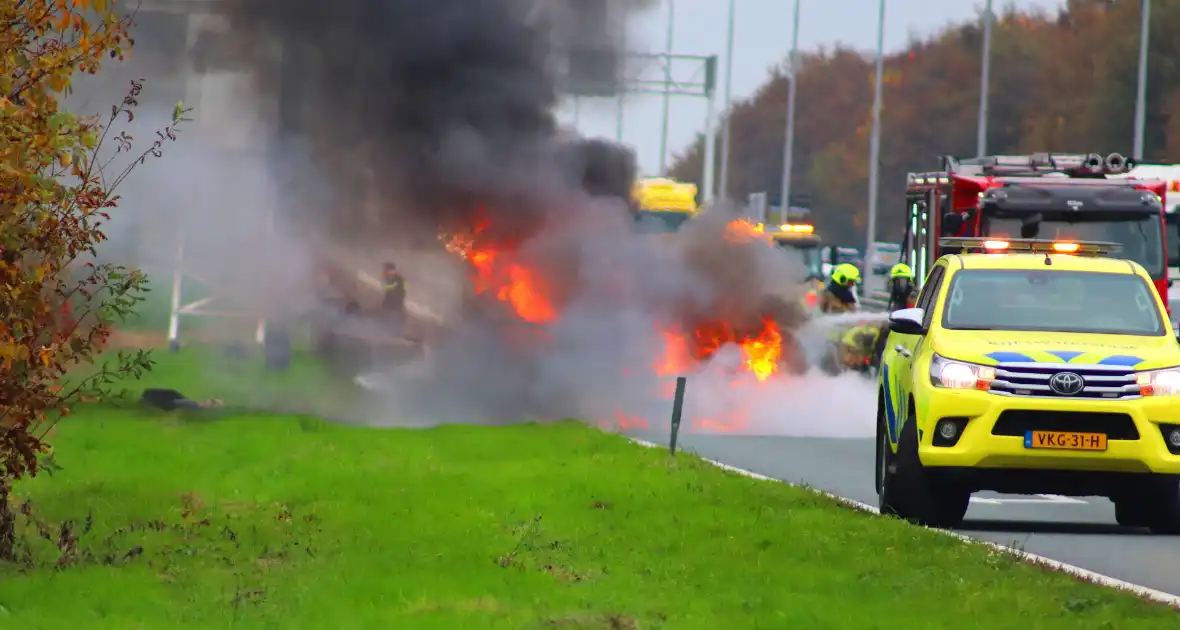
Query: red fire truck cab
(1064, 197)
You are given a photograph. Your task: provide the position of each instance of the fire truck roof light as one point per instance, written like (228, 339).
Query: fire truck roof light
(1030, 245)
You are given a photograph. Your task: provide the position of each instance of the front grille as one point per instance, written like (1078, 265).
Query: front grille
(1017, 422)
(1102, 382)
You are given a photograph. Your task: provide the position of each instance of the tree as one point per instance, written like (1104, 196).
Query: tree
(1063, 82)
(56, 191)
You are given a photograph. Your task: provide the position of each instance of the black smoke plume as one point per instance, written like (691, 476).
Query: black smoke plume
(415, 117)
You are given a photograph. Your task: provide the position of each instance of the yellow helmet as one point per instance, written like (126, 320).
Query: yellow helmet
(901, 270)
(846, 274)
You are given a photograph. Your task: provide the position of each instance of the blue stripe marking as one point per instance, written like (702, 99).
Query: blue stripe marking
(1011, 357)
(890, 416)
(1028, 439)
(1121, 359)
(1065, 355)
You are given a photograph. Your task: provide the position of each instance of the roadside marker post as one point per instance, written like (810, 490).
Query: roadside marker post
(677, 410)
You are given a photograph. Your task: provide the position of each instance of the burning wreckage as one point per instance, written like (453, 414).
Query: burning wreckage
(507, 285)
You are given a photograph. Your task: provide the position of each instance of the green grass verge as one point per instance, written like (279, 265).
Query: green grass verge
(176, 521)
(288, 522)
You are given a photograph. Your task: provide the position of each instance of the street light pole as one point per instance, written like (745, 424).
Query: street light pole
(728, 108)
(984, 80)
(789, 141)
(875, 141)
(619, 118)
(709, 163)
(667, 81)
(1141, 96)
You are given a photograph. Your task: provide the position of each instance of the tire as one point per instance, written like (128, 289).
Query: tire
(884, 457)
(910, 491)
(830, 363)
(1154, 504)
(1129, 512)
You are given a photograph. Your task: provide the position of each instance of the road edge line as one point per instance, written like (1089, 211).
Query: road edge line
(1075, 571)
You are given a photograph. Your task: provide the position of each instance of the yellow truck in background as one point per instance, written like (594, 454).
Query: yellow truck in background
(663, 205)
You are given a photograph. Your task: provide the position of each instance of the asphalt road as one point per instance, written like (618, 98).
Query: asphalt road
(1081, 532)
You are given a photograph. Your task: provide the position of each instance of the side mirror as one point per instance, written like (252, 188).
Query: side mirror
(952, 223)
(907, 321)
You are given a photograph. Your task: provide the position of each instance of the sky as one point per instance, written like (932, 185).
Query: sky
(762, 39)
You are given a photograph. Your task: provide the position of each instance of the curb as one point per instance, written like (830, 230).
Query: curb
(1150, 594)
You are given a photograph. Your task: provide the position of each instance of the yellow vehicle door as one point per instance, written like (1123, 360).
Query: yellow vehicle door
(901, 350)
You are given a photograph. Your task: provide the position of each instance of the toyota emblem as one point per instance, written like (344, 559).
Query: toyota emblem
(1066, 383)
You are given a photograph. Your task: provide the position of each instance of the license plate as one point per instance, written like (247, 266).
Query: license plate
(1065, 440)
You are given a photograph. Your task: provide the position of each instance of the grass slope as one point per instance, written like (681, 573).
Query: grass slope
(293, 523)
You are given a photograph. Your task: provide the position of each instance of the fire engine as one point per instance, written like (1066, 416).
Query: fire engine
(1043, 196)
(1169, 173)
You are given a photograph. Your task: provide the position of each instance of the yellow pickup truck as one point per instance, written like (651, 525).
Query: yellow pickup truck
(1031, 367)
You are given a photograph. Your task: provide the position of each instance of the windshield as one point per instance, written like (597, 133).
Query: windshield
(660, 222)
(1141, 235)
(1052, 301)
(802, 254)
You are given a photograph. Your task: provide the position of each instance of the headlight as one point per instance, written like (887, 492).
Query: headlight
(1159, 382)
(951, 374)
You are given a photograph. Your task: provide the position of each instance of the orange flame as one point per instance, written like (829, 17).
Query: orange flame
(764, 352)
(521, 288)
(741, 231)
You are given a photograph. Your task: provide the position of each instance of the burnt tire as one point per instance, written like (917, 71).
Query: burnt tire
(912, 492)
(794, 357)
(829, 363)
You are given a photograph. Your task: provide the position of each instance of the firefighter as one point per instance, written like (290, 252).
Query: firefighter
(902, 294)
(394, 302)
(901, 287)
(838, 296)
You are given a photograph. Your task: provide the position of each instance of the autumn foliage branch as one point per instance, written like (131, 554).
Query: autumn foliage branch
(56, 194)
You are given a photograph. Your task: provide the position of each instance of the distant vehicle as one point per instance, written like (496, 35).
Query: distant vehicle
(663, 205)
(833, 255)
(883, 256)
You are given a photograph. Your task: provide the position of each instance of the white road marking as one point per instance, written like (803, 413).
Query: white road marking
(1032, 558)
(1044, 499)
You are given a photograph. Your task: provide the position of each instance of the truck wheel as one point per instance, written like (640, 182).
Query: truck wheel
(1153, 503)
(1129, 510)
(884, 461)
(930, 500)
(1165, 518)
